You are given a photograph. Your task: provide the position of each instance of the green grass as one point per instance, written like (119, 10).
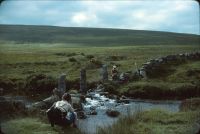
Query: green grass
(19, 61)
(26, 50)
(182, 82)
(30, 125)
(155, 122)
(185, 73)
(24, 126)
(158, 121)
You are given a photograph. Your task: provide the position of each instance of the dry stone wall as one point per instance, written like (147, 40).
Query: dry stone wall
(154, 65)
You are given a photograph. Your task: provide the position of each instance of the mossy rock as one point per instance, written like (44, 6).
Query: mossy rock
(112, 113)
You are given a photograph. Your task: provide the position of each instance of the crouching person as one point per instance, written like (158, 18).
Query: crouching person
(61, 112)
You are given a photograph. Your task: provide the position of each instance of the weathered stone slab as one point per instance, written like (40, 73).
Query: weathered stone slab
(62, 84)
(83, 84)
(104, 73)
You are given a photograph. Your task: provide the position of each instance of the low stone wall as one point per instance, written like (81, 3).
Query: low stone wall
(154, 65)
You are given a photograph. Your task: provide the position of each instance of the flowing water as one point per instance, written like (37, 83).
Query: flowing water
(102, 103)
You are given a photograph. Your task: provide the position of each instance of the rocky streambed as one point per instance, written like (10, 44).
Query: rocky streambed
(98, 105)
(100, 109)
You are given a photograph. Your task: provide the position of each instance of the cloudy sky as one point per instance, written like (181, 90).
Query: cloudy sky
(180, 16)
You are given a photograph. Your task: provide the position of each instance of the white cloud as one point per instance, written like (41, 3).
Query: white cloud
(182, 5)
(83, 18)
(144, 16)
(129, 14)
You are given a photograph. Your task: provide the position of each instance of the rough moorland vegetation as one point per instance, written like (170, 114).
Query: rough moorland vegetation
(156, 121)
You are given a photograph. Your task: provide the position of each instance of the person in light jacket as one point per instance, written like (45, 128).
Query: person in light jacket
(62, 113)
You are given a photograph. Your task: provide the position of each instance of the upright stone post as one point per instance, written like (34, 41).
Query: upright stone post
(104, 73)
(83, 84)
(143, 73)
(62, 84)
(136, 70)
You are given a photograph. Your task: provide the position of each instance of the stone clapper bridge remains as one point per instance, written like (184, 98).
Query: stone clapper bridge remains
(146, 71)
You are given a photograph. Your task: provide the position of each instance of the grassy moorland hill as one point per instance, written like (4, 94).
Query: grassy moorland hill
(92, 36)
(33, 57)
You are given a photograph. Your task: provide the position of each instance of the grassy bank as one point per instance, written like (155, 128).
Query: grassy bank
(157, 122)
(154, 122)
(182, 82)
(29, 125)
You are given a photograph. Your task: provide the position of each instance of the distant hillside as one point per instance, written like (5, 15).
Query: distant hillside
(92, 36)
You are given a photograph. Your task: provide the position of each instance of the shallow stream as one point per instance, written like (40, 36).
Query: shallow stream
(102, 103)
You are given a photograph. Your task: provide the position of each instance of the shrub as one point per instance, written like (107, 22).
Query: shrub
(116, 57)
(93, 64)
(111, 88)
(90, 56)
(61, 54)
(72, 59)
(40, 83)
(71, 54)
(45, 63)
(66, 54)
(7, 84)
